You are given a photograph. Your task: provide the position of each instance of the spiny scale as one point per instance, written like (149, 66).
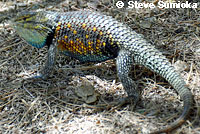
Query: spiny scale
(93, 37)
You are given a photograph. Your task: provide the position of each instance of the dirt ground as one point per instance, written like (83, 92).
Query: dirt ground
(78, 98)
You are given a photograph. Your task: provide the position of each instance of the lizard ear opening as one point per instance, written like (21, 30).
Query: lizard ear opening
(36, 37)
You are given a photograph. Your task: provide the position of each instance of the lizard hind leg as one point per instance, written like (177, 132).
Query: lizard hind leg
(124, 62)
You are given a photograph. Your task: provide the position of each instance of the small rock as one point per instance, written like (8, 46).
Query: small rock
(181, 66)
(145, 24)
(86, 91)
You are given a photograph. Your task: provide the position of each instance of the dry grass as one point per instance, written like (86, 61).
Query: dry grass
(52, 106)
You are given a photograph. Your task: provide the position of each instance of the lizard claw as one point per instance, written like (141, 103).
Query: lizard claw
(127, 100)
(38, 77)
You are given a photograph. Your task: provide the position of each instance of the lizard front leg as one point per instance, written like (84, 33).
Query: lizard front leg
(50, 62)
(124, 63)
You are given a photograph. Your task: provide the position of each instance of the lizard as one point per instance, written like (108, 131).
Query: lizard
(91, 36)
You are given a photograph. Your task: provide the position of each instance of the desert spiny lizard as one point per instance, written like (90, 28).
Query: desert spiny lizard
(93, 37)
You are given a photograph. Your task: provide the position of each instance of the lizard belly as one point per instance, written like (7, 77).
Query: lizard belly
(87, 47)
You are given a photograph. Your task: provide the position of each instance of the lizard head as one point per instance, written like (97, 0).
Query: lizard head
(32, 27)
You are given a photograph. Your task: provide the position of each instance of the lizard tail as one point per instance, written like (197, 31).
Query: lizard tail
(155, 61)
(187, 100)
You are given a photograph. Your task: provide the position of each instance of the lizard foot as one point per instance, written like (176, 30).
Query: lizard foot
(128, 100)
